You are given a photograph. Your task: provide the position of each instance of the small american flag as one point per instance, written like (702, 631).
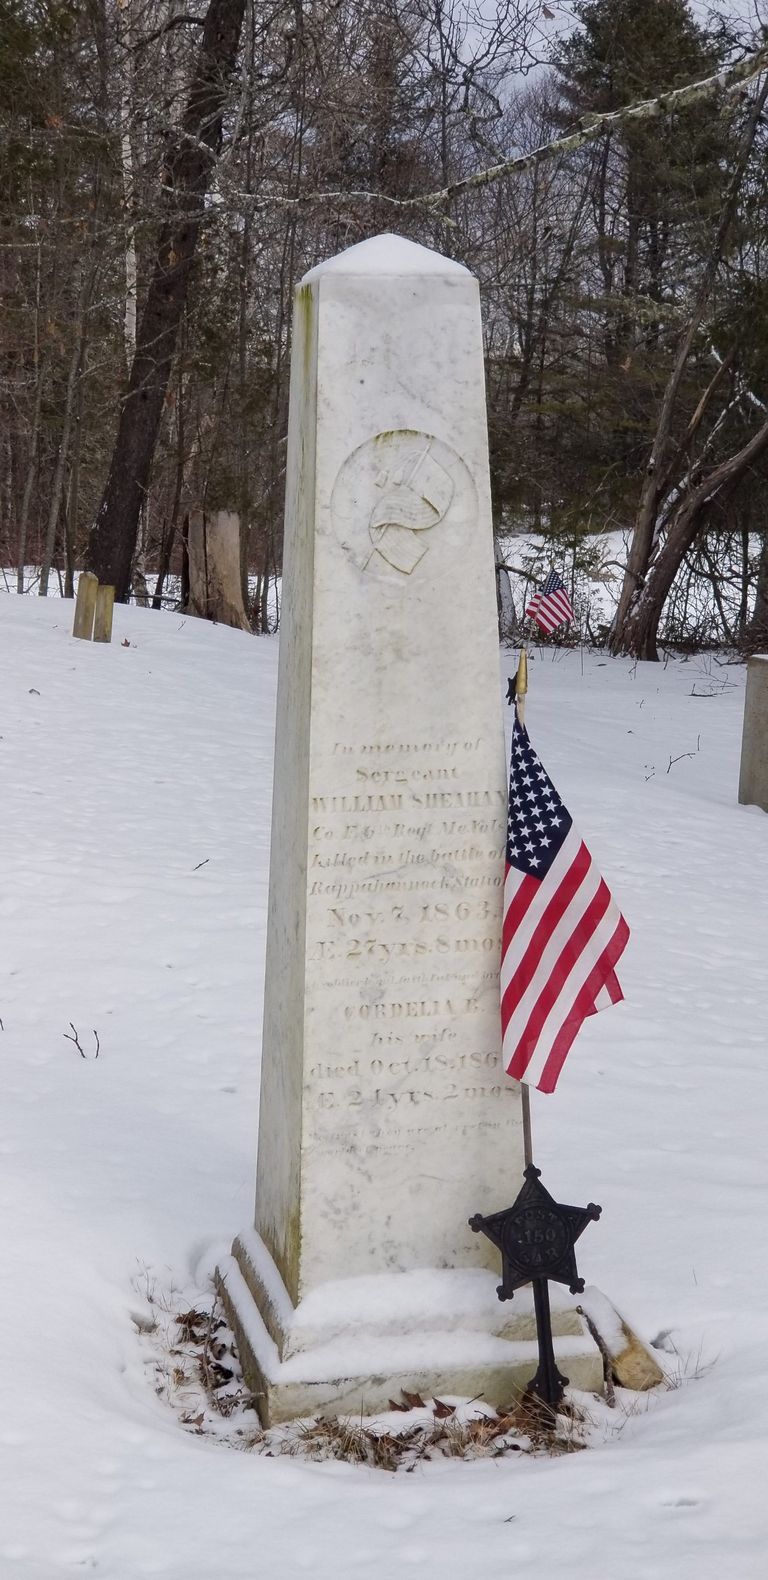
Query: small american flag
(563, 932)
(551, 606)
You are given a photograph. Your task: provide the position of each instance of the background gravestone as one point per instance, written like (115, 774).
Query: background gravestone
(386, 1117)
(215, 577)
(753, 776)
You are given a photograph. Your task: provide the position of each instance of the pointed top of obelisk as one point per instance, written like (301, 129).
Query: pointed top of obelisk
(387, 254)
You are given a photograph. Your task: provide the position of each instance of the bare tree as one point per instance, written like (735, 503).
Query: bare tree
(634, 629)
(190, 160)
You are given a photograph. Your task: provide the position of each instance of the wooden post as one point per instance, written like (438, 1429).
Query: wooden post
(85, 605)
(105, 603)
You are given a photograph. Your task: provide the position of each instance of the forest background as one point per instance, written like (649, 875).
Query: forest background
(168, 175)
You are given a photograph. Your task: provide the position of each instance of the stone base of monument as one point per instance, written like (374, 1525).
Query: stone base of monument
(356, 1343)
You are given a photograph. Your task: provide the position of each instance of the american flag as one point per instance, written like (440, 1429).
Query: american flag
(563, 932)
(551, 606)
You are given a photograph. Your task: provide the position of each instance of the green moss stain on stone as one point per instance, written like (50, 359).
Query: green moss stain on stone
(291, 1252)
(304, 310)
(386, 434)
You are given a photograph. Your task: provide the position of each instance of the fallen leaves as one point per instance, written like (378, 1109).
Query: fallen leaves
(439, 1430)
(202, 1379)
(409, 1401)
(192, 1324)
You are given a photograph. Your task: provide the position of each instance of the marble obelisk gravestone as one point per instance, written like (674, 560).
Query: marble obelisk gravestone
(386, 1117)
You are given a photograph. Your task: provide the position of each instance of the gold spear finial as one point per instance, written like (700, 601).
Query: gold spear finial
(521, 685)
(522, 674)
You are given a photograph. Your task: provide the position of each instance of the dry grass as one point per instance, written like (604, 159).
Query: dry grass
(196, 1370)
(434, 1429)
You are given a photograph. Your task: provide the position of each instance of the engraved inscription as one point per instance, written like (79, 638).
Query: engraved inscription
(403, 940)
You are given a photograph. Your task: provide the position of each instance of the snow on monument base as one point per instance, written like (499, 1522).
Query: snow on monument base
(355, 1344)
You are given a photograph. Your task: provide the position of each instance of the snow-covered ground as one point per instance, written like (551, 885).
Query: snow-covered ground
(135, 800)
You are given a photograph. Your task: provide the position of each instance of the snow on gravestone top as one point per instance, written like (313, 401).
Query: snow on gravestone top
(387, 254)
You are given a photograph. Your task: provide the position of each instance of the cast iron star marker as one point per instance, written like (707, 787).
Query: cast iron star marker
(536, 1237)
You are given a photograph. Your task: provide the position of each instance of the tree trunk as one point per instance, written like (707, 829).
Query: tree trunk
(743, 617)
(129, 184)
(244, 447)
(756, 636)
(184, 598)
(164, 561)
(657, 473)
(170, 528)
(505, 603)
(191, 156)
(642, 625)
(41, 372)
(69, 547)
(29, 483)
(73, 503)
(73, 378)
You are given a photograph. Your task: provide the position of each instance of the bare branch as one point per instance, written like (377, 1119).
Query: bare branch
(167, 27)
(74, 1038)
(733, 79)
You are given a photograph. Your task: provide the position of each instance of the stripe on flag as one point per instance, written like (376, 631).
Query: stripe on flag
(562, 933)
(551, 606)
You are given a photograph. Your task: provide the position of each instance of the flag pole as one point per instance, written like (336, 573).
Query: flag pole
(521, 691)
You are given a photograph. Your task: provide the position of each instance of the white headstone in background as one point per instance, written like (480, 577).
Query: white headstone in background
(386, 1117)
(753, 777)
